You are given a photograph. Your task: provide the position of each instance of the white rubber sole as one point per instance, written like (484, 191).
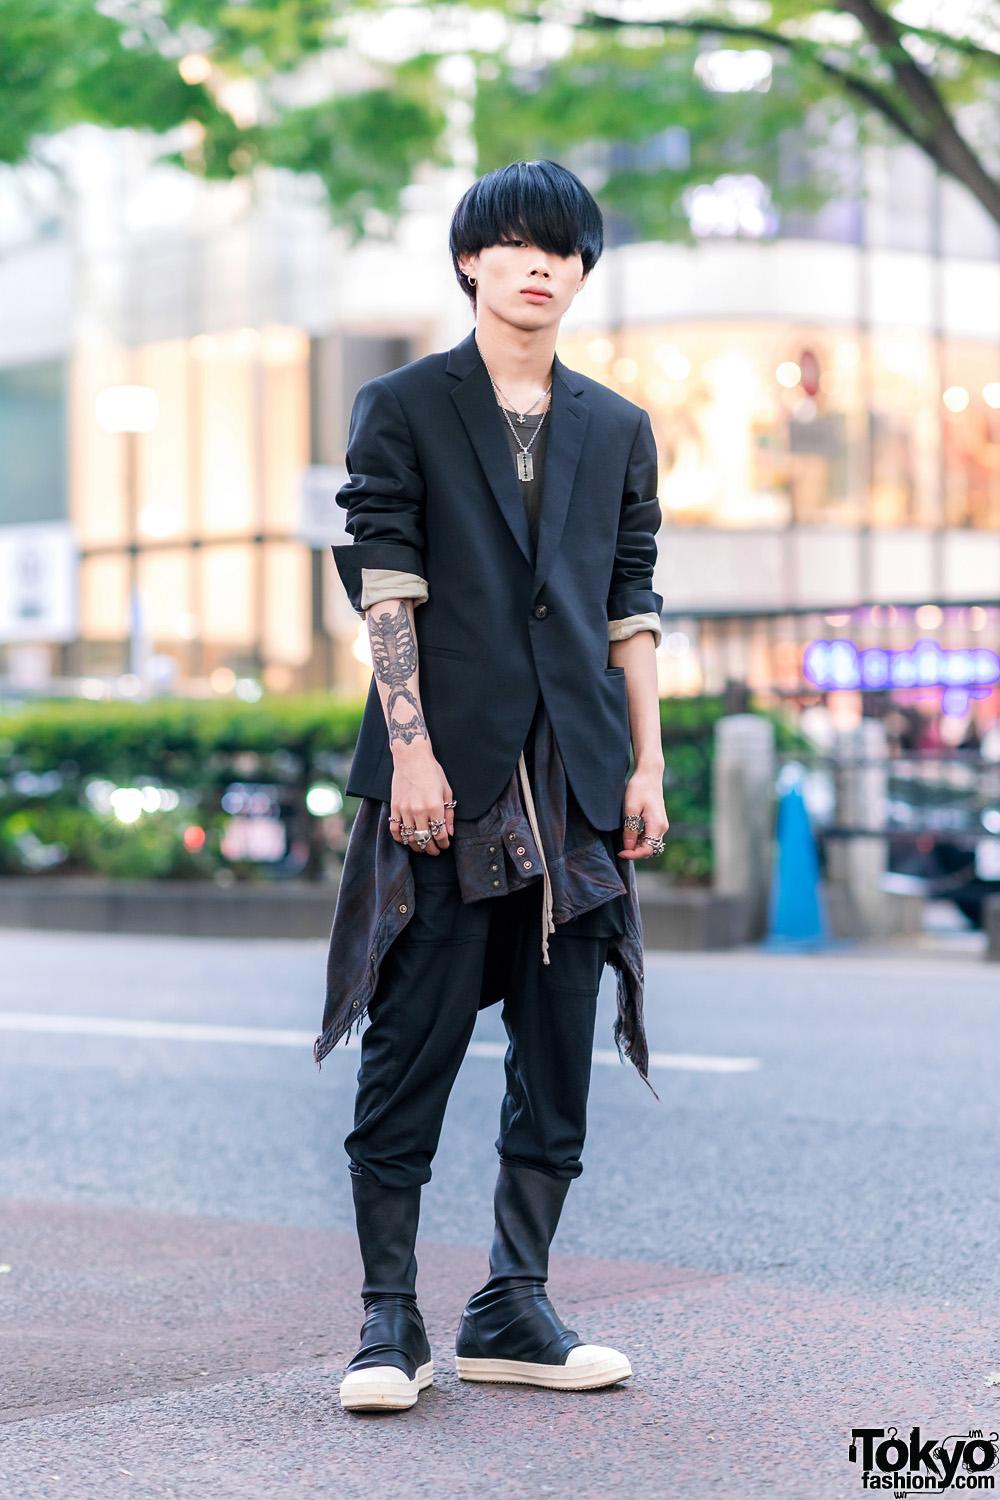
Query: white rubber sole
(384, 1388)
(594, 1367)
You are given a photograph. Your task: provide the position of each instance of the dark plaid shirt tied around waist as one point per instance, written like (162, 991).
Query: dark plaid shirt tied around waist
(494, 855)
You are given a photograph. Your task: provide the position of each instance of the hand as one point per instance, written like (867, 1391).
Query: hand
(419, 791)
(644, 799)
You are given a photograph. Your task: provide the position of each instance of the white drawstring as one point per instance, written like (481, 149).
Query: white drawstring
(529, 806)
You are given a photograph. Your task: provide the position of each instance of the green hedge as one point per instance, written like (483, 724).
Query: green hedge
(58, 758)
(52, 754)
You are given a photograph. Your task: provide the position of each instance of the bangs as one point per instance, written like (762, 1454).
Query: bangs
(539, 202)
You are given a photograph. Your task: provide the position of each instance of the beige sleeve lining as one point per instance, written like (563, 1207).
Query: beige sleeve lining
(379, 584)
(623, 630)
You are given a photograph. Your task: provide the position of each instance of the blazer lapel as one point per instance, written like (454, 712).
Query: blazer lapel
(569, 421)
(477, 407)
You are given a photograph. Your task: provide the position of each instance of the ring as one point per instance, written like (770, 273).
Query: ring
(655, 842)
(407, 832)
(451, 804)
(435, 826)
(634, 822)
(421, 837)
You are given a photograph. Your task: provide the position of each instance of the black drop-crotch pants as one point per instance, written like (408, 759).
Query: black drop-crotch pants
(450, 960)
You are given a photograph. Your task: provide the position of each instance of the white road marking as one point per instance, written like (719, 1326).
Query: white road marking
(269, 1036)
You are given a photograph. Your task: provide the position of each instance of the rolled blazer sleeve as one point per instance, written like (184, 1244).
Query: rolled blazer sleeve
(384, 497)
(631, 591)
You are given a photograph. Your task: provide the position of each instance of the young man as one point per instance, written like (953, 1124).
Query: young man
(503, 513)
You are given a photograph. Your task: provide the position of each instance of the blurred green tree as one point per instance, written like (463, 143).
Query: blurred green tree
(657, 110)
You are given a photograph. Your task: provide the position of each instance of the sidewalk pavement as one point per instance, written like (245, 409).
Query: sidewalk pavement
(149, 1355)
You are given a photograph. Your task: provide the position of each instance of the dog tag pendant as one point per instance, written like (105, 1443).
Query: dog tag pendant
(525, 468)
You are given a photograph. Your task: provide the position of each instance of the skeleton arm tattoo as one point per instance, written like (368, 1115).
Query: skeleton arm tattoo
(394, 657)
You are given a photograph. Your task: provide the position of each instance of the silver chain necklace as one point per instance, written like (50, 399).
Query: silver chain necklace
(524, 463)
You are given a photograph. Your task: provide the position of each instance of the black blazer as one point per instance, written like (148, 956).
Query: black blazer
(433, 491)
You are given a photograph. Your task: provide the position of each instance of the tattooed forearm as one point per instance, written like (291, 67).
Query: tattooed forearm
(394, 658)
(408, 729)
(394, 650)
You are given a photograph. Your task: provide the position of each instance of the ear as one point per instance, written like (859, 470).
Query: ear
(467, 264)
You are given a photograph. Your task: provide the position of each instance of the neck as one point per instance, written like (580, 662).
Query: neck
(516, 356)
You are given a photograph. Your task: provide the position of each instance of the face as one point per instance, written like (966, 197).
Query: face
(522, 285)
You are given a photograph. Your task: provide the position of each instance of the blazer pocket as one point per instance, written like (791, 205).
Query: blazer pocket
(442, 651)
(614, 671)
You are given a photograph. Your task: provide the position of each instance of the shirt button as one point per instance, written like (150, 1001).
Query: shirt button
(540, 611)
(403, 908)
(511, 837)
(519, 849)
(527, 864)
(493, 848)
(496, 885)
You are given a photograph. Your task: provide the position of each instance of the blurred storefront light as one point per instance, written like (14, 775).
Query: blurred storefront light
(928, 617)
(361, 649)
(956, 398)
(674, 364)
(159, 521)
(832, 665)
(788, 374)
(991, 394)
(601, 351)
(127, 408)
(223, 680)
(625, 370)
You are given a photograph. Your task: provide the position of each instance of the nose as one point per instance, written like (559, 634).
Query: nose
(540, 268)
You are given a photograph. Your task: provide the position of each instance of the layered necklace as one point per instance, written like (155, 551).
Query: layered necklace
(524, 463)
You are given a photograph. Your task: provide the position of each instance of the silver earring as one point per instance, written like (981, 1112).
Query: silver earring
(471, 280)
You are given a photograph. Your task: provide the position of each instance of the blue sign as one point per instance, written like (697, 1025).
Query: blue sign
(833, 665)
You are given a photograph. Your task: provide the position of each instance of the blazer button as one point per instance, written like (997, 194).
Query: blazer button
(403, 910)
(520, 849)
(527, 864)
(493, 848)
(540, 611)
(494, 868)
(496, 885)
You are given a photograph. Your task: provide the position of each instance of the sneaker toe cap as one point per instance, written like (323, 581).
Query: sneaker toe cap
(596, 1356)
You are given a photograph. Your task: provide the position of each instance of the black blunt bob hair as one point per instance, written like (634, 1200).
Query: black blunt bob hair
(539, 202)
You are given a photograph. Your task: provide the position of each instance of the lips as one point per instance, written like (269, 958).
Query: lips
(535, 294)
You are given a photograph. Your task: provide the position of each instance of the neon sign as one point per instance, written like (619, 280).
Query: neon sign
(833, 665)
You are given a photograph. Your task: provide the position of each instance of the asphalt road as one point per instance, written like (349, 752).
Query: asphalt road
(797, 1247)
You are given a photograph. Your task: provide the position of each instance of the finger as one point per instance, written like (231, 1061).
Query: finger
(395, 824)
(426, 845)
(449, 812)
(425, 824)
